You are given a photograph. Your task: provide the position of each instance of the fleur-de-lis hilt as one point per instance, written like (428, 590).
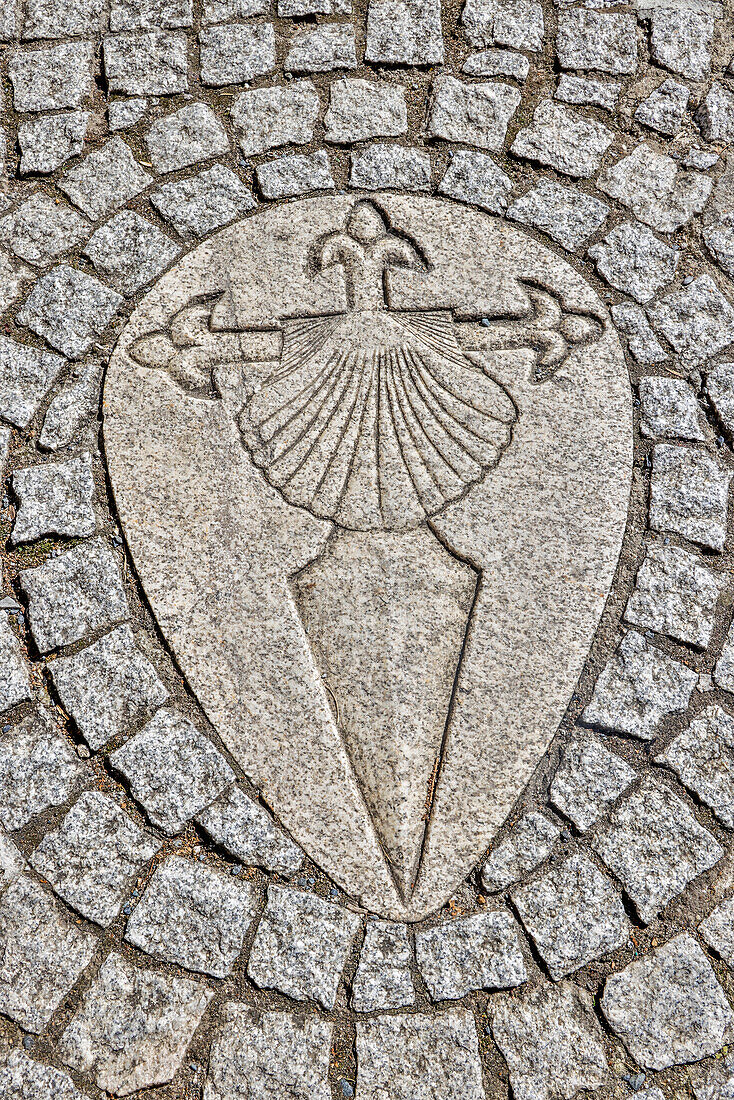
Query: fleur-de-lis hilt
(366, 248)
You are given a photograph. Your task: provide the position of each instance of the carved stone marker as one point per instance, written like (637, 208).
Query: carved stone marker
(372, 458)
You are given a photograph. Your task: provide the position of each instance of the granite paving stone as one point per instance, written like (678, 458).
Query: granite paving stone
(717, 930)
(44, 953)
(418, 1057)
(172, 769)
(715, 116)
(719, 239)
(651, 185)
(53, 77)
(633, 260)
(130, 15)
(383, 979)
(105, 180)
(133, 1026)
(129, 251)
(562, 139)
(41, 229)
(15, 686)
(54, 499)
(655, 846)
(26, 376)
(681, 40)
(232, 53)
(192, 916)
(301, 945)
(664, 109)
(643, 344)
(38, 770)
(526, 845)
(587, 780)
(295, 175)
(246, 830)
(689, 495)
(124, 113)
(363, 109)
(22, 1078)
(108, 687)
(380, 165)
(669, 408)
(94, 856)
(551, 1040)
(69, 309)
(668, 1008)
(675, 594)
(62, 18)
(74, 595)
(481, 951)
(267, 118)
(497, 63)
(474, 114)
(720, 392)
(715, 1081)
(515, 23)
(186, 137)
(724, 670)
(475, 178)
(220, 11)
(586, 91)
(9, 21)
(76, 401)
(702, 756)
(49, 141)
(404, 32)
(597, 40)
(200, 204)
(139, 63)
(570, 217)
(268, 1055)
(13, 276)
(697, 320)
(322, 49)
(638, 688)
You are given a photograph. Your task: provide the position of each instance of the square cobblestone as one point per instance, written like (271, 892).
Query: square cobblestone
(26, 376)
(526, 845)
(717, 930)
(670, 408)
(383, 979)
(105, 180)
(474, 114)
(702, 756)
(675, 594)
(15, 685)
(41, 229)
(48, 142)
(185, 137)
(146, 62)
(130, 252)
(232, 53)
(23, 1079)
(54, 499)
(200, 204)
(52, 77)
(267, 118)
(322, 49)
(38, 769)
(247, 831)
(404, 32)
(689, 495)
(69, 309)
(363, 109)
(588, 778)
(568, 216)
(476, 952)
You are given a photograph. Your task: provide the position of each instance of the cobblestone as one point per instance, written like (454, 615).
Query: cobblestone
(26, 376)
(267, 118)
(130, 252)
(583, 91)
(564, 140)
(23, 1079)
(200, 204)
(131, 15)
(514, 23)
(74, 595)
(296, 175)
(681, 40)
(383, 979)
(633, 260)
(124, 113)
(404, 32)
(475, 178)
(655, 846)
(55, 499)
(378, 166)
(69, 308)
(48, 142)
(597, 40)
(588, 779)
(77, 401)
(476, 952)
(133, 1026)
(59, 18)
(715, 116)
(702, 757)
(668, 1008)
(697, 320)
(719, 239)
(246, 830)
(15, 685)
(475, 114)
(53, 77)
(193, 916)
(525, 846)
(186, 137)
(651, 185)
(40, 230)
(643, 345)
(38, 770)
(720, 392)
(724, 670)
(669, 408)
(675, 594)
(13, 275)
(664, 109)
(301, 946)
(363, 109)
(323, 49)
(105, 180)
(497, 63)
(717, 931)
(568, 216)
(141, 63)
(93, 857)
(689, 495)
(715, 1082)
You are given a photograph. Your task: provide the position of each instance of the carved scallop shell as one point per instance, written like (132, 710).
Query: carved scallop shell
(376, 419)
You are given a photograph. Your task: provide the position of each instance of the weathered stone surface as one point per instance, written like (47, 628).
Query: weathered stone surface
(130, 15)
(40, 230)
(26, 376)
(15, 685)
(268, 1055)
(173, 770)
(363, 109)
(74, 595)
(94, 856)
(689, 494)
(720, 392)
(404, 32)
(193, 916)
(655, 847)
(12, 277)
(78, 400)
(477, 952)
(69, 309)
(124, 113)
(105, 180)
(475, 178)
(133, 1026)
(583, 91)
(670, 408)
(267, 118)
(724, 670)
(715, 116)
(642, 342)
(475, 114)
(130, 252)
(633, 260)
(322, 49)
(55, 499)
(716, 1081)
(53, 77)
(663, 110)
(719, 238)
(146, 62)
(287, 176)
(675, 594)
(383, 979)
(681, 40)
(417, 1057)
(48, 142)
(186, 137)
(717, 930)
(698, 320)
(588, 778)
(568, 216)
(23, 1079)
(638, 688)
(247, 831)
(497, 63)
(562, 139)
(200, 204)
(597, 40)
(44, 953)
(552, 1042)
(38, 769)
(59, 18)
(108, 687)
(377, 166)
(515, 23)
(651, 185)
(526, 845)
(219, 11)
(668, 1008)
(301, 945)
(702, 758)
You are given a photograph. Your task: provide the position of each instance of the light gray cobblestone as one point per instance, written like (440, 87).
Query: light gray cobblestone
(267, 118)
(21, 1078)
(55, 499)
(652, 186)
(568, 216)
(130, 252)
(130, 15)
(720, 392)
(322, 49)
(105, 180)
(383, 979)
(77, 401)
(48, 142)
(584, 91)
(588, 779)
(41, 229)
(689, 495)
(246, 830)
(200, 204)
(481, 951)
(15, 686)
(142, 63)
(702, 756)
(404, 32)
(497, 63)
(363, 109)
(526, 845)
(642, 342)
(670, 408)
(475, 114)
(597, 40)
(717, 931)
(697, 320)
(562, 139)
(296, 175)
(681, 40)
(26, 376)
(633, 260)
(38, 769)
(675, 594)
(52, 77)
(186, 137)
(378, 166)
(475, 178)
(515, 23)
(69, 308)
(124, 113)
(664, 109)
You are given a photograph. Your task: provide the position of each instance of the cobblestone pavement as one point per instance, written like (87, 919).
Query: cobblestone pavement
(161, 933)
